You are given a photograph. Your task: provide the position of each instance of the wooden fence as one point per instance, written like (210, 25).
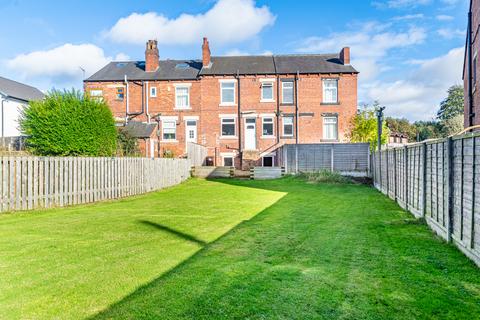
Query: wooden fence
(44, 182)
(346, 158)
(440, 181)
(197, 154)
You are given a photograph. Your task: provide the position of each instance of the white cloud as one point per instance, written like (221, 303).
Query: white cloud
(417, 97)
(368, 45)
(62, 62)
(444, 17)
(451, 33)
(398, 4)
(409, 17)
(228, 21)
(238, 52)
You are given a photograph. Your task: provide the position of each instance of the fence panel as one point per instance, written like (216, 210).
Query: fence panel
(43, 182)
(438, 180)
(348, 158)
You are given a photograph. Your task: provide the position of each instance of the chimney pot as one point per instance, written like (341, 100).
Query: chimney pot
(345, 55)
(151, 56)
(206, 60)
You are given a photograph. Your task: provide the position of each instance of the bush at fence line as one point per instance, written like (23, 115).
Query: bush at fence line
(69, 124)
(127, 146)
(323, 176)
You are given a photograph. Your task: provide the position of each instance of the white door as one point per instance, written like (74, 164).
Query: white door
(191, 131)
(250, 134)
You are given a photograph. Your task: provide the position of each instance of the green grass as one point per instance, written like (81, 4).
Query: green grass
(283, 249)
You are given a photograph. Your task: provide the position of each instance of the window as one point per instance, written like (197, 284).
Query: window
(228, 161)
(228, 127)
(330, 91)
(169, 129)
(96, 93)
(267, 91)
(267, 127)
(288, 126)
(153, 92)
(330, 128)
(120, 93)
(287, 92)
(267, 161)
(227, 93)
(182, 97)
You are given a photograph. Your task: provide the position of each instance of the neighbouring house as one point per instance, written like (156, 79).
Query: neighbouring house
(14, 96)
(471, 67)
(242, 108)
(397, 139)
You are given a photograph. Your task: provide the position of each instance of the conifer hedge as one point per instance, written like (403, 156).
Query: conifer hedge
(69, 124)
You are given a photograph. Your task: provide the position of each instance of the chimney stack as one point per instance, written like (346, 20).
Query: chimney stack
(151, 56)
(206, 61)
(345, 55)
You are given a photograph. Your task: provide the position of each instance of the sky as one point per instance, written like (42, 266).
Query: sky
(408, 52)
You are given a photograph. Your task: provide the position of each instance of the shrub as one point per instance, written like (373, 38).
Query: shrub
(69, 124)
(324, 176)
(126, 144)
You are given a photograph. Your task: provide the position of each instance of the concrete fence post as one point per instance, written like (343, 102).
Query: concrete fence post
(395, 174)
(424, 179)
(405, 156)
(449, 186)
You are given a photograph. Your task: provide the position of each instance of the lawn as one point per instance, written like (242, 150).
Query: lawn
(229, 249)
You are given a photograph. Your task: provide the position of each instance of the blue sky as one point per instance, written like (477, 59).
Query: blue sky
(408, 52)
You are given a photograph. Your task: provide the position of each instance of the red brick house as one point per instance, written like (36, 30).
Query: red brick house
(471, 67)
(255, 102)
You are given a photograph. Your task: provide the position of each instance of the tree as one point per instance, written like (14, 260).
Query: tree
(402, 126)
(364, 127)
(428, 129)
(69, 124)
(452, 125)
(452, 105)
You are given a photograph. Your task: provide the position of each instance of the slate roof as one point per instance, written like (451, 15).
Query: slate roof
(19, 90)
(140, 129)
(228, 65)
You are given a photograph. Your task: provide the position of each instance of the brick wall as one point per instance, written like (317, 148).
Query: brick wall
(205, 104)
(475, 6)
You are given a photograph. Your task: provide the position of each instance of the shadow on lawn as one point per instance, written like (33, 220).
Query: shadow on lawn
(403, 262)
(177, 233)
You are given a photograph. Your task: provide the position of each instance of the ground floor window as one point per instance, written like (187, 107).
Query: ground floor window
(228, 161)
(267, 161)
(169, 129)
(228, 127)
(288, 126)
(330, 128)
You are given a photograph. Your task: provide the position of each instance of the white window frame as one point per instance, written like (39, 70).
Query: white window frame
(263, 84)
(234, 127)
(153, 92)
(273, 126)
(336, 128)
(293, 92)
(169, 120)
(228, 155)
(182, 86)
(325, 88)
(283, 126)
(230, 81)
(269, 156)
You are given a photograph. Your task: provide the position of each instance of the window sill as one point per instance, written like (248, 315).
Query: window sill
(266, 100)
(228, 137)
(330, 103)
(287, 104)
(227, 105)
(153, 97)
(267, 137)
(287, 137)
(185, 108)
(329, 140)
(169, 141)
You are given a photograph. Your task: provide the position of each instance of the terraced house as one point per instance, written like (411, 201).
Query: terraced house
(242, 108)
